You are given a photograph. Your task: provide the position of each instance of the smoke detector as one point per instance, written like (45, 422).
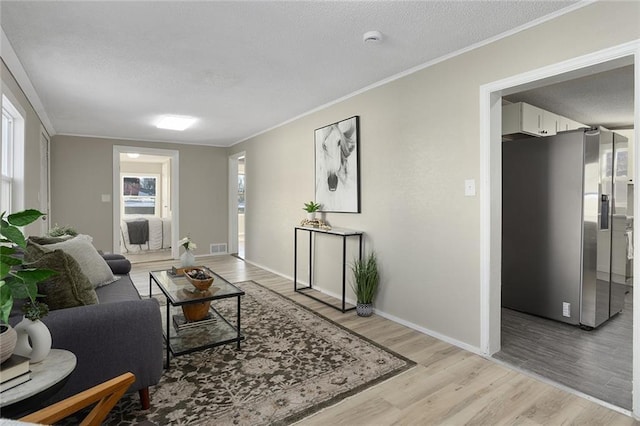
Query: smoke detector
(372, 37)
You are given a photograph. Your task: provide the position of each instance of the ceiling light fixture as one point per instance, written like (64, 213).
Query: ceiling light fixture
(133, 155)
(175, 122)
(372, 37)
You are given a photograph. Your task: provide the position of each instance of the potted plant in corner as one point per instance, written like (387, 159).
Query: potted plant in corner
(18, 281)
(311, 208)
(365, 283)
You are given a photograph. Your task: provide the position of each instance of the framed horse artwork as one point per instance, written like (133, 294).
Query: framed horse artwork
(337, 160)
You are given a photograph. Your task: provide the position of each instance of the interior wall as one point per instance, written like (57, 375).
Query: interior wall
(32, 145)
(81, 171)
(419, 141)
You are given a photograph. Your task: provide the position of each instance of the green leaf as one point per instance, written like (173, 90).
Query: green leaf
(9, 260)
(6, 302)
(4, 269)
(33, 275)
(20, 289)
(14, 235)
(25, 217)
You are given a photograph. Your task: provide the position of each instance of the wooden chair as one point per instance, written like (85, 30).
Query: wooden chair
(106, 395)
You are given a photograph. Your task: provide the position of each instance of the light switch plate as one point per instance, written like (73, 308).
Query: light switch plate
(470, 188)
(106, 198)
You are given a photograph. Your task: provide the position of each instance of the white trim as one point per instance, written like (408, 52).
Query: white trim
(232, 245)
(15, 67)
(423, 330)
(18, 142)
(44, 194)
(175, 185)
(491, 199)
(125, 139)
(523, 27)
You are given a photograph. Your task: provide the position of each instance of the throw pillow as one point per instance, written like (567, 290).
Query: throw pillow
(45, 240)
(33, 251)
(90, 261)
(69, 287)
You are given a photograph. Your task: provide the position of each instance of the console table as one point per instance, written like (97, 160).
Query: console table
(339, 232)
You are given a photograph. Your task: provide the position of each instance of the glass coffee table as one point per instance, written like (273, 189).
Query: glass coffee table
(183, 336)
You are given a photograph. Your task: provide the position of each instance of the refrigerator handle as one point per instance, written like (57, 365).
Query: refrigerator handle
(604, 212)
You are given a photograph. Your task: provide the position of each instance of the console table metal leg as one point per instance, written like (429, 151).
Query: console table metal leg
(310, 260)
(238, 322)
(344, 271)
(295, 260)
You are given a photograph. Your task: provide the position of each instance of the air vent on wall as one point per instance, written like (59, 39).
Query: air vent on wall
(220, 248)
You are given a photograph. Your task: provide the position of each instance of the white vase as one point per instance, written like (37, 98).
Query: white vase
(34, 340)
(187, 258)
(311, 215)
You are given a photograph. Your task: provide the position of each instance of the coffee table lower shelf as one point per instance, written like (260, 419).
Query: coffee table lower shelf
(196, 336)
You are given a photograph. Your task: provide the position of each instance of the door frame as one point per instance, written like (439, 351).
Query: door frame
(44, 196)
(175, 184)
(491, 184)
(233, 200)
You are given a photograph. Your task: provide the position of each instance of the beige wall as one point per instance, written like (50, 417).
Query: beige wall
(81, 170)
(32, 145)
(419, 142)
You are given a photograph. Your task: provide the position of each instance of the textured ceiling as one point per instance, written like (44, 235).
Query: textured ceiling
(600, 99)
(110, 69)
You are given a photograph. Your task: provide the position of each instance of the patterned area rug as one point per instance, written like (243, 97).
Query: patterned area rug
(292, 364)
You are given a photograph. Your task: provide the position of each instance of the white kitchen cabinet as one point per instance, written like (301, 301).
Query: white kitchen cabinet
(565, 124)
(521, 117)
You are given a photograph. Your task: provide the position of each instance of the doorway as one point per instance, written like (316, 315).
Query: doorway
(145, 203)
(491, 177)
(45, 187)
(237, 204)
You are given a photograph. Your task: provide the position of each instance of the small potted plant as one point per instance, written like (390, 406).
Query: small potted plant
(365, 283)
(311, 208)
(17, 280)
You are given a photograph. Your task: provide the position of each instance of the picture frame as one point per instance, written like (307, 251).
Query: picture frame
(337, 166)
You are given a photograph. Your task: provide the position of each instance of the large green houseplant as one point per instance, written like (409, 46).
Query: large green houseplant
(366, 280)
(16, 281)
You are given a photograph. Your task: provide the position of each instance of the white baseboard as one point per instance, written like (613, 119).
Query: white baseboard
(462, 345)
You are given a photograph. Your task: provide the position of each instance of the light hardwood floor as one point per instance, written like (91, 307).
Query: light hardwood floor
(449, 386)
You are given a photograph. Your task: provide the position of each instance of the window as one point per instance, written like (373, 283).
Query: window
(11, 197)
(139, 194)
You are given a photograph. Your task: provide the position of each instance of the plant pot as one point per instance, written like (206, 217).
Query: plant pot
(364, 309)
(196, 311)
(187, 258)
(311, 215)
(34, 340)
(8, 339)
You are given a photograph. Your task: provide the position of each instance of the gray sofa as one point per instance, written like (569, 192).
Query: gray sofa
(122, 333)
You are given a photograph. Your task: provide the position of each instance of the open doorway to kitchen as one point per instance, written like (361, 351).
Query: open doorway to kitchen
(237, 204)
(510, 335)
(144, 204)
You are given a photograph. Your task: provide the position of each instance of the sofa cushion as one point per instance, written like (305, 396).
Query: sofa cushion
(90, 261)
(69, 287)
(119, 291)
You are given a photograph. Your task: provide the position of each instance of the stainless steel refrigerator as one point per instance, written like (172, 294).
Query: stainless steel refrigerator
(564, 198)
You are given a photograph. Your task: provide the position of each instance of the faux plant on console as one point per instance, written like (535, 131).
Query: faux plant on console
(18, 281)
(311, 208)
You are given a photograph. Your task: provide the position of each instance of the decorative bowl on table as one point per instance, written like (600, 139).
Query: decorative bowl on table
(199, 278)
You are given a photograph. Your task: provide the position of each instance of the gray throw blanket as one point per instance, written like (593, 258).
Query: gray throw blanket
(138, 231)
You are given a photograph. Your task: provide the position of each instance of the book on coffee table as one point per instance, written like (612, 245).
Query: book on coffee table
(12, 383)
(15, 366)
(181, 323)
